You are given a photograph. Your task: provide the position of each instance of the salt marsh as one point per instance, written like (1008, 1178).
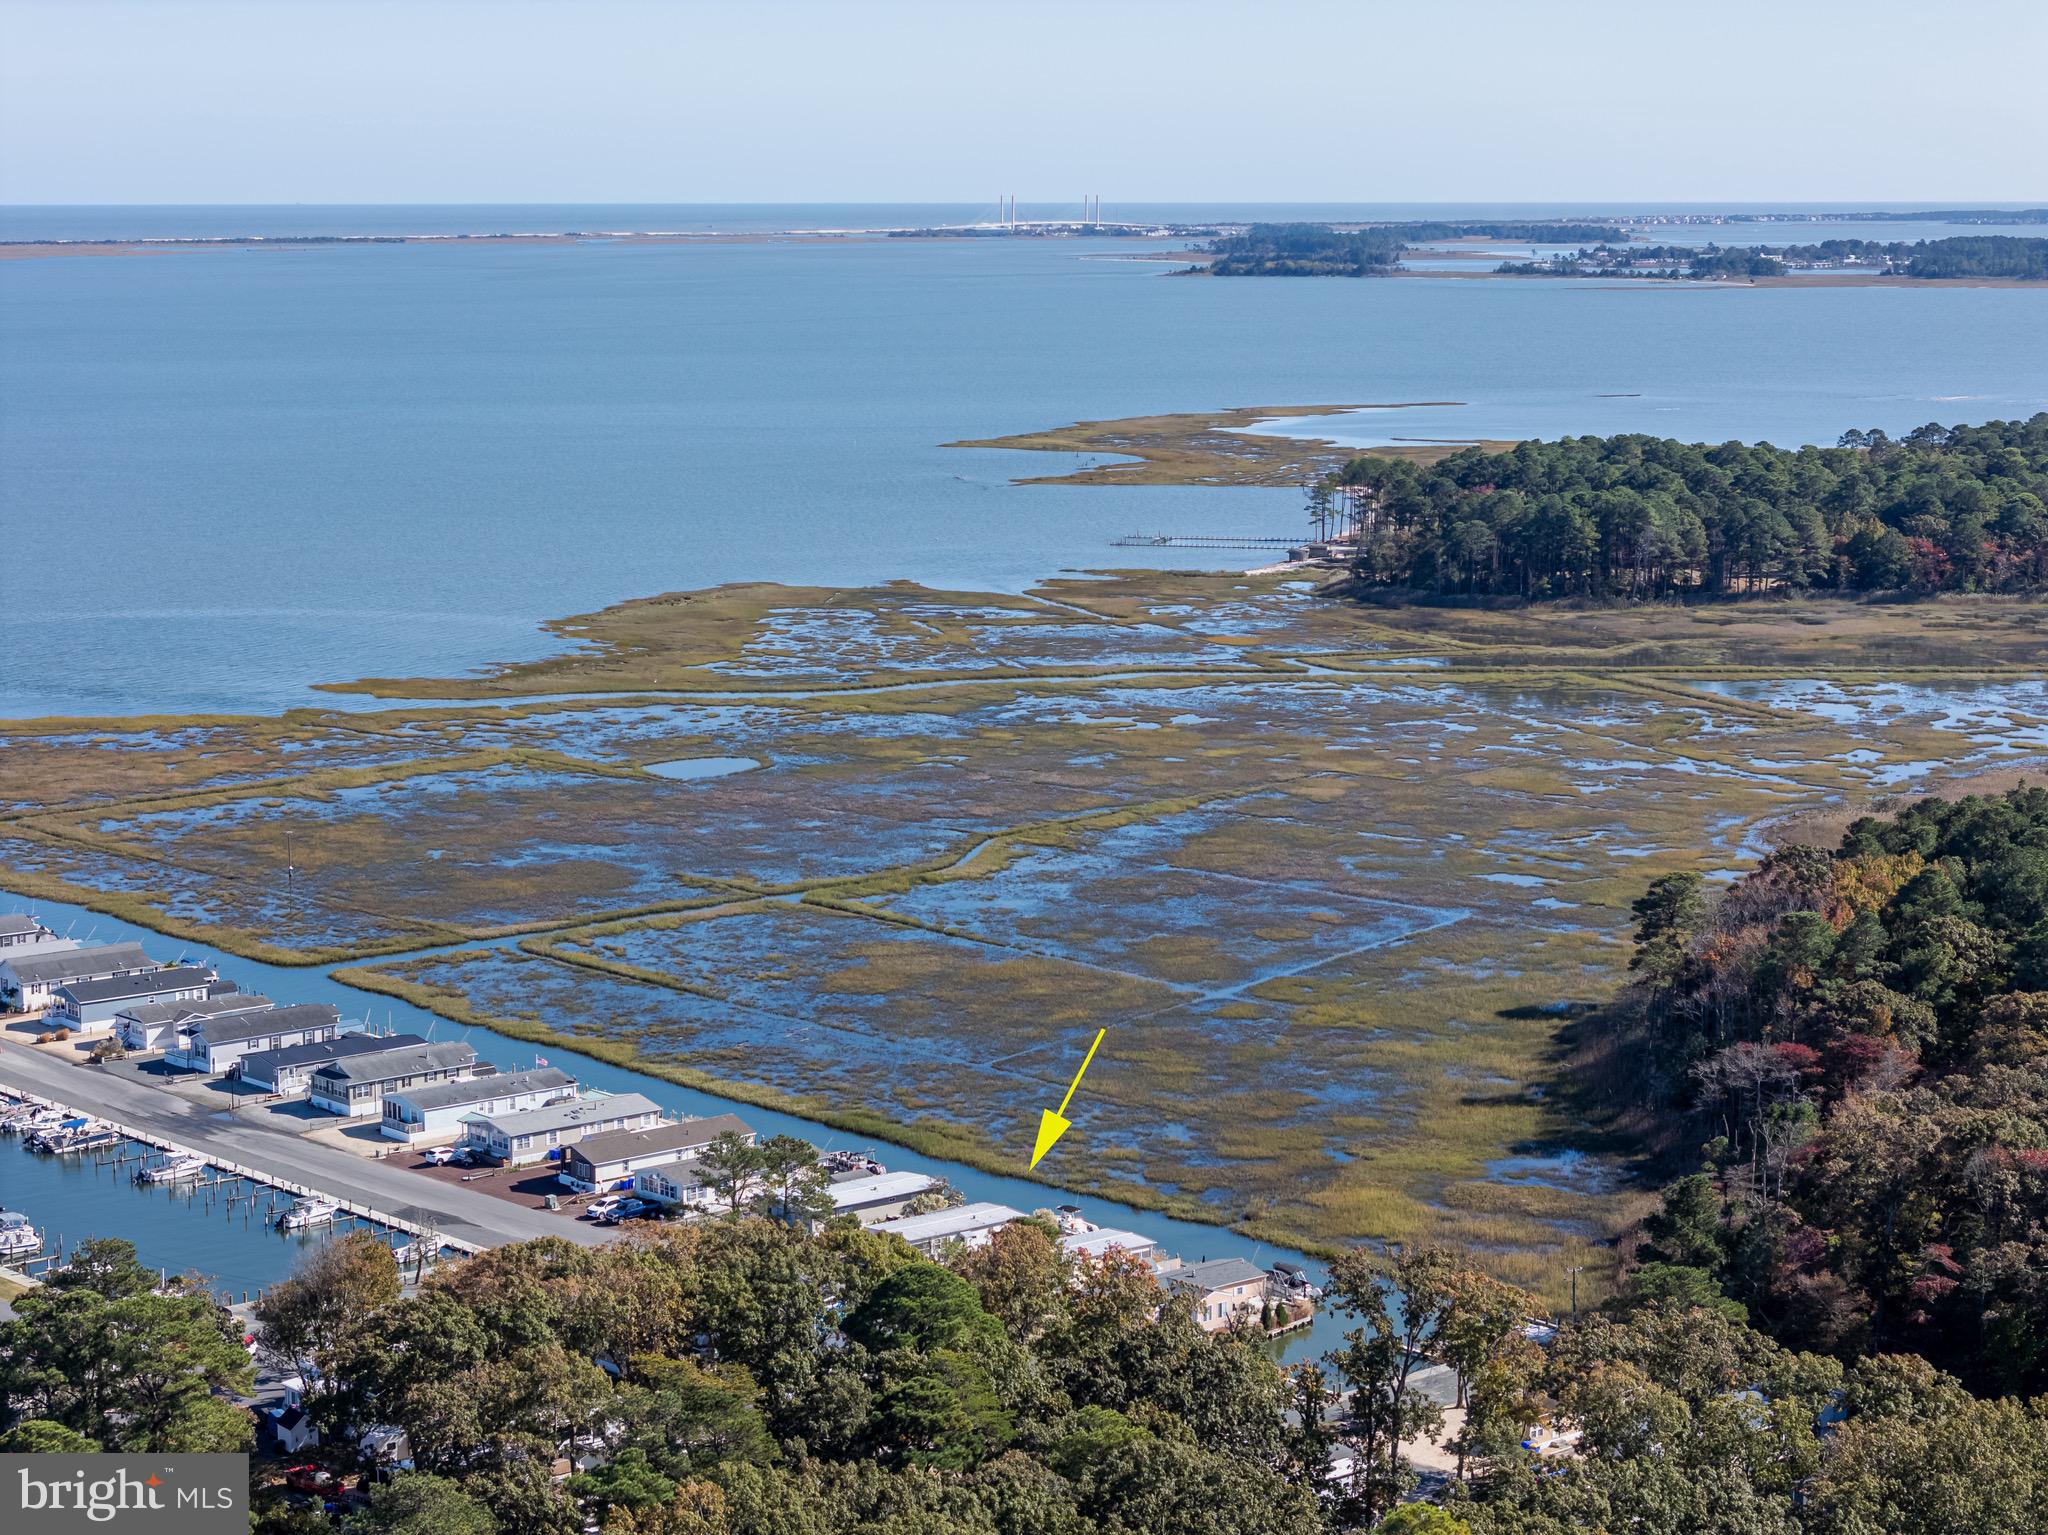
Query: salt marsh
(1334, 878)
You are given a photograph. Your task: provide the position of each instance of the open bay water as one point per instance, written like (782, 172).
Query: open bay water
(229, 474)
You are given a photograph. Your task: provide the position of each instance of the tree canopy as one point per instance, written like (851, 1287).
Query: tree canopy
(1943, 509)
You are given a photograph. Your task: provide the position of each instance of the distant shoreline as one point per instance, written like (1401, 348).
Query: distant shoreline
(1716, 284)
(21, 250)
(144, 244)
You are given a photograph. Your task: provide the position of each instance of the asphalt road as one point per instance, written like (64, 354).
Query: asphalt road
(454, 1211)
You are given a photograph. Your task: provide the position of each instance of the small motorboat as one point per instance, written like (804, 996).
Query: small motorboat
(27, 1118)
(305, 1212)
(74, 1135)
(172, 1169)
(17, 1237)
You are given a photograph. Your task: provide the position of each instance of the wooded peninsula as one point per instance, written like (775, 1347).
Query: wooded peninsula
(1318, 250)
(1942, 509)
(1960, 256)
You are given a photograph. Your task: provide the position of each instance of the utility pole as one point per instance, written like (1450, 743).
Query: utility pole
(1574, 1272)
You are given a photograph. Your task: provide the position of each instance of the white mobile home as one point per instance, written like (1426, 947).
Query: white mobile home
(416, 1114)
(289, 1069)
(531, 1134)
(22, 933)
(90, 1007)
(973, 1225)
(674, 1184)
(213, 1045)
(154, 1025)
(609, 1161)
(879, 1196)
(356, 1086)
(29, 982)
(1100, 1241)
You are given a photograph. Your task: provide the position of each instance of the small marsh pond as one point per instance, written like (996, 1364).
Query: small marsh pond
(700, 767)
(162, 1228)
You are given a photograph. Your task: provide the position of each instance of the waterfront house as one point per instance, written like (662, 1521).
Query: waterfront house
(154, 1025)
(1221, 1290)
(609, 1161)
(356, 1085)
(22, 933)
(212, 1045)
(878, 1196)
(1082, 1238)
(1100, 1241)
(288, 1070)
(416, 1114)
(90, 1007)
(674, 1184)
(529, 1135)
(970, 1225)
(28, 982)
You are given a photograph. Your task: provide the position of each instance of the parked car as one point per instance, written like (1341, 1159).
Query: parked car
(442, 1156)
(631, 1209)
(603, 1205)
(310, 1478)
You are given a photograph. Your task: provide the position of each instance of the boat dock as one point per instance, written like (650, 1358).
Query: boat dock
(244, 1146)
(1202, 541)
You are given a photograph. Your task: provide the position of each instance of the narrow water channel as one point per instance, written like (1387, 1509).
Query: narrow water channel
(157, 1227)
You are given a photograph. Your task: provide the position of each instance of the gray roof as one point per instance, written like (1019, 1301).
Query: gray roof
(102, 959)
(573, 1111)
(19, 922)
(681, 1135)
(263, 1063)
(444, 1095)
(199, 1007)
(1214, 1274)
(402, 1061)
(233, 1028)
(954, 1221)
(144, 984)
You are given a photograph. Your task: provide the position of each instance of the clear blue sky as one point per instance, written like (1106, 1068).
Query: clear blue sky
(175, 101)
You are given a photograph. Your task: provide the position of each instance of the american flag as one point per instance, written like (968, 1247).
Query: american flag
(539, 1061)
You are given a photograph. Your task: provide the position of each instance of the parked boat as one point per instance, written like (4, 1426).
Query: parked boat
(17, 1237)
(31, 1117)
(75, 1135)
(173, 1168)
(306, 1212)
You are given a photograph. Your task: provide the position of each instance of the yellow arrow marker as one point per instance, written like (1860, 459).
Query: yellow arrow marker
(1053, 1123)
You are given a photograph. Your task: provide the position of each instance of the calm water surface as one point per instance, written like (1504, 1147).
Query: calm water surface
(234, 473)
(228, 475)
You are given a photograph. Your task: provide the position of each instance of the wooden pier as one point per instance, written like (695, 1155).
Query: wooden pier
(1202, 541)
(237, 1189)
